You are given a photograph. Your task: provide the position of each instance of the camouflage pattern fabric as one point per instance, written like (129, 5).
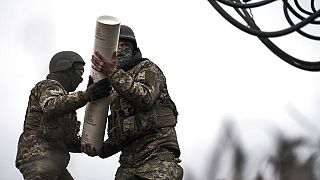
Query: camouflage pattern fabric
(50, 130)
(159, 166)
(44, 169)
(142, 119)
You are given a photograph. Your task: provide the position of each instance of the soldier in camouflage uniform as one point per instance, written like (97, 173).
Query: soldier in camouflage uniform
(51, 127)
(143, 116)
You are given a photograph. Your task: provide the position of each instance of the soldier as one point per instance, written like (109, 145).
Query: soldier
(143, 116)
(51, 128)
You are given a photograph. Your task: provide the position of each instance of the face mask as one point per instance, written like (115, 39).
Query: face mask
(76, 76)
(75, 80)
(124, 56)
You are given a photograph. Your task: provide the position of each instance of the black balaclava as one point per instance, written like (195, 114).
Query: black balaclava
(70, 78)
(128, 57)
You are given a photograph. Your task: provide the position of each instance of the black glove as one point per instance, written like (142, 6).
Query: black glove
(98, 90)
(90, 82)
(74, 146)
(108, 150)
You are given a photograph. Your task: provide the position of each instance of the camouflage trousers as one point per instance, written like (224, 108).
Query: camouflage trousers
(44, 169)
(163, 167)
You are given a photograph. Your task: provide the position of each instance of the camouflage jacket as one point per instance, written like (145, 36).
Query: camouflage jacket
(50, 123)
(143, 116)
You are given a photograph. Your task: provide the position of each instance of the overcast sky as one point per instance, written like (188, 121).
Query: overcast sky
(215, 72)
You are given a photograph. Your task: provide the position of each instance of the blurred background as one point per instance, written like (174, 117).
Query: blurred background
(243, 112)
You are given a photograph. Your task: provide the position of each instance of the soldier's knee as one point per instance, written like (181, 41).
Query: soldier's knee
(169, 170)
(40, 169)
(178, 173)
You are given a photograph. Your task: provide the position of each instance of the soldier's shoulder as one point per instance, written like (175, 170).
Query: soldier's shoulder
(47, 83)
(147, 63)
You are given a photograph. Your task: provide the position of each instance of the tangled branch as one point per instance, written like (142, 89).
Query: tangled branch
(305, 16)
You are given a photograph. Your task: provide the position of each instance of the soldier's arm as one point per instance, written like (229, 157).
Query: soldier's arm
(141, 91)
(54, 101)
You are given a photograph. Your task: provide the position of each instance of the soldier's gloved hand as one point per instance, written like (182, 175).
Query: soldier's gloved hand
(108, 150)
(98, 90)
(90, 81)
(75, 145)
(90, 151)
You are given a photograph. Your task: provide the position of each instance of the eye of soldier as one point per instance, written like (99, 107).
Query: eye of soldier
(122, 44)
(79, 69)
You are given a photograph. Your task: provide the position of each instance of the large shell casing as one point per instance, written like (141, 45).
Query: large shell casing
(106, 43)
